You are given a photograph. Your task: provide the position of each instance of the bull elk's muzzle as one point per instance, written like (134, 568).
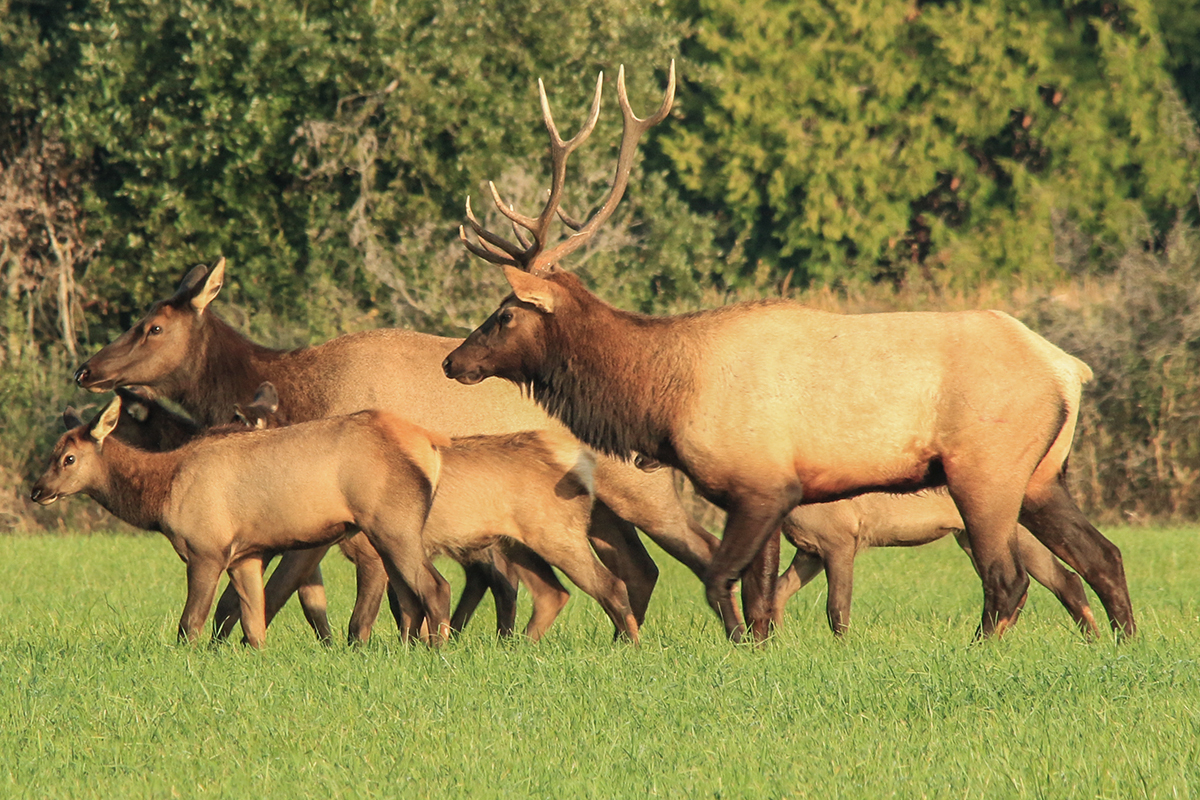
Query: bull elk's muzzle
(455, 370)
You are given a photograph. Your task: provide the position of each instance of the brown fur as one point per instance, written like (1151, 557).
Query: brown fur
(768, 405)
(225, 500)
(197, 360)
(830, 535)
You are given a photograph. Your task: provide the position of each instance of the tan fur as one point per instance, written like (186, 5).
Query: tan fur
(534, 488)
(225, 500)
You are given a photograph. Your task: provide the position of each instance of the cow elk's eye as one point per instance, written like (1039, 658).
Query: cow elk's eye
(68, 460)
(506, 317)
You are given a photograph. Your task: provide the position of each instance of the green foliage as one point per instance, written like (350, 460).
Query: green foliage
(1138, 449)
(869, 138)
(98, 701)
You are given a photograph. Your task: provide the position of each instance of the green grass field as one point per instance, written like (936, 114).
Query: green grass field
(97, 700)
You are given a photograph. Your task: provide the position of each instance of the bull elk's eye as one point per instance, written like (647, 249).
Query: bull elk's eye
(506, 317)
(155, 330)
(68, 460)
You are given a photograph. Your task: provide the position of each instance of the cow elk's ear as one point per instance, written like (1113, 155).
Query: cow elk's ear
(266, 397)
(71, 418)
(135, 404)
(206, 292)
(103, 425)
(538, 292)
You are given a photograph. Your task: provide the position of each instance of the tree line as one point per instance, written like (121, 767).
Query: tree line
(868, 148)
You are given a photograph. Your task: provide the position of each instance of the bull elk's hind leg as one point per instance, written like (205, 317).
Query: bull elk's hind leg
(1062, 527)
(989, 510)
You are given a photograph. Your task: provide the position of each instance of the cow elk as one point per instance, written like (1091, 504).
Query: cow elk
(225, 500)
(828, 536)
(184, 352)
(768, 405)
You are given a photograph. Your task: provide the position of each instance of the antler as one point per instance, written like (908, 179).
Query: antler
(532, 255)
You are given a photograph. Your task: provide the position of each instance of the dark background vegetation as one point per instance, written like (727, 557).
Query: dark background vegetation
(1038, 156)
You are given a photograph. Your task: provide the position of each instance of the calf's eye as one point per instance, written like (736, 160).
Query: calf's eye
(68, 461)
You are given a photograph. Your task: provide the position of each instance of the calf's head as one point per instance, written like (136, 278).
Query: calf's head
(75, 464)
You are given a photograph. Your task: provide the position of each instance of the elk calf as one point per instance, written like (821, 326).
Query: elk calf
(829, 536)
(530, 494)
(223, 501)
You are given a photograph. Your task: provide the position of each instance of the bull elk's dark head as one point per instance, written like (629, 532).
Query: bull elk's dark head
(510, 343)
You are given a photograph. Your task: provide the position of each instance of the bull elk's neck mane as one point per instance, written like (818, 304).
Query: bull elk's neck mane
(229, 370)
(138, 484)
(614, 378)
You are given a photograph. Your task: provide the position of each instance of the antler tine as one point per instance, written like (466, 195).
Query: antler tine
(484, 253)
(498, 243)
(539, 226)
(568, 220)
(632, 130)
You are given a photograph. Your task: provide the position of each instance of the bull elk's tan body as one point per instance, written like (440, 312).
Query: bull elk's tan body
(187, 354)
(223, 501)
(829, 536)
(768, 405)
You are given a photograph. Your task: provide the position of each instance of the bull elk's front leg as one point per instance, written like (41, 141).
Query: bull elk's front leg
(749, 526)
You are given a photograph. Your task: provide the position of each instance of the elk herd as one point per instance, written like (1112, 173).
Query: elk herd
(841, 432)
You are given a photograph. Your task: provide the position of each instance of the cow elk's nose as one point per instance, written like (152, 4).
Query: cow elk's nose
(35, 494)
(81, 375)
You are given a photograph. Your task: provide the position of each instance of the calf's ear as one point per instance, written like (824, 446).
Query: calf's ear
(103, 425)
(71, 418)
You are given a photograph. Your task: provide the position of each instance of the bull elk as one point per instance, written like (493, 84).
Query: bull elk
(223, 501)
(828, 536)
(768, 405)
(186, 353)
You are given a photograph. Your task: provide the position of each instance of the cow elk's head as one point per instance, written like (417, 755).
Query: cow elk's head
(159, 343)
(75, 463)
(511, 343)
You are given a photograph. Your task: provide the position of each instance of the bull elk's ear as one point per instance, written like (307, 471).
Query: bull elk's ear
(266, 397)
(103, 425)
(206, 292)
(71, 418)
(531, 289)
